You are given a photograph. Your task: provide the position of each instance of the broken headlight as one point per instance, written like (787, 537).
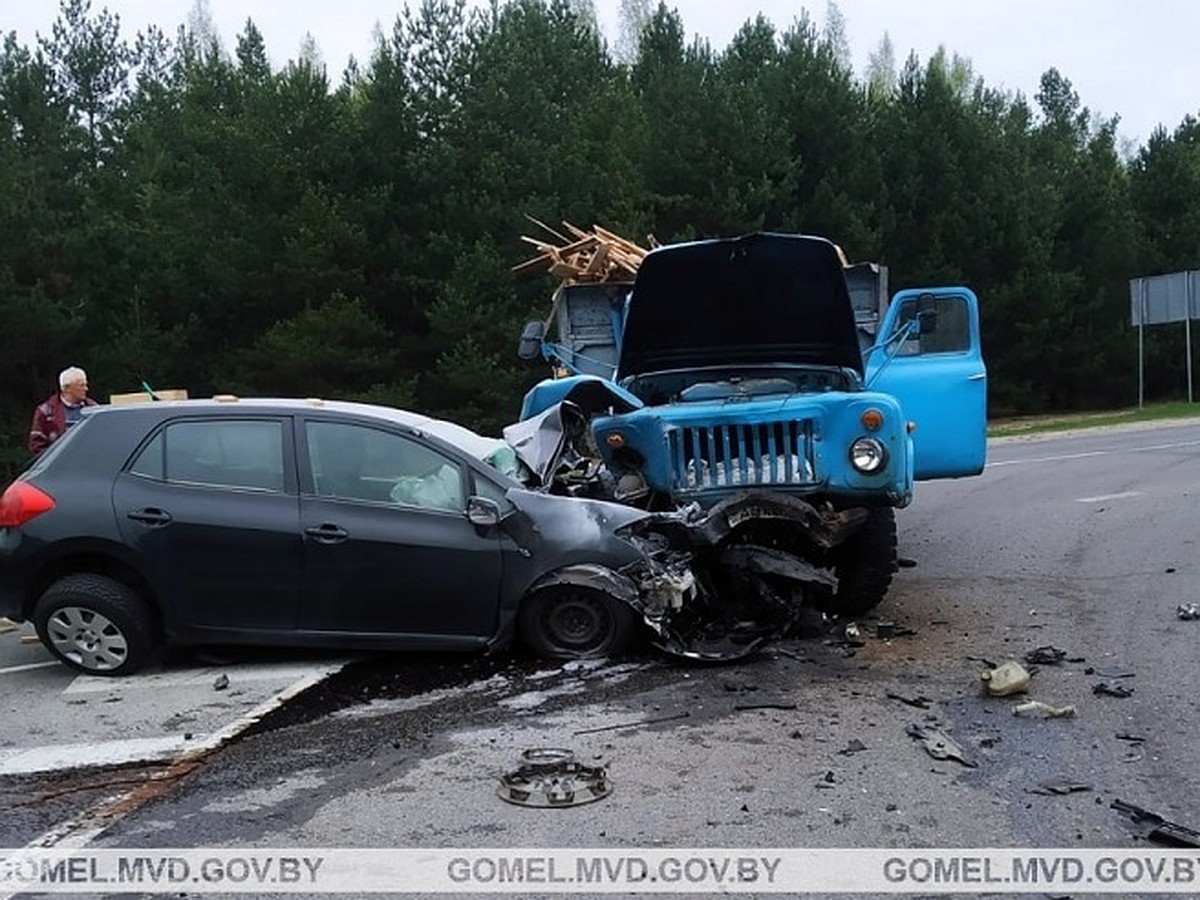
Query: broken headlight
(868, 455)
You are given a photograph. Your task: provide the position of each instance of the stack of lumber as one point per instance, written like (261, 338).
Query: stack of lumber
(584, 256)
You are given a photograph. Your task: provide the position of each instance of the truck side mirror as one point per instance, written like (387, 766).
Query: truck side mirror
(532, 335)
(926, 314)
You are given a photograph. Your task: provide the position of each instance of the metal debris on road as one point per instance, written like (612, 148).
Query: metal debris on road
(1049, 788)
(1037, 707)
(1045, 656)
(1188, 611)
(1158, 828)
(1005, 679)
(1112, 690)
(550, 776)
(30, 639)
(920, 702)
(682, 715)
(938, 745)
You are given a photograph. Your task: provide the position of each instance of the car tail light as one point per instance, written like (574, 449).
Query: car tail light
(21, 502)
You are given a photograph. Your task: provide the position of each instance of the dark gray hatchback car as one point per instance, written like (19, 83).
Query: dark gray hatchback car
(304, 523)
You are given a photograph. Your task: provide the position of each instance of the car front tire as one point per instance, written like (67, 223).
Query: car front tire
(96, 625)
(575, 622)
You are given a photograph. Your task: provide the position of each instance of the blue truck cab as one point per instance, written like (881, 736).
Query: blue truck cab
(746, 365)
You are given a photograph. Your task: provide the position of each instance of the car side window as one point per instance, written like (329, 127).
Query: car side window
(354, 462)
(241, 454)
(951, 333)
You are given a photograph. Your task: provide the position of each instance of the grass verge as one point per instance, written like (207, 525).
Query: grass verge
(1151, 412)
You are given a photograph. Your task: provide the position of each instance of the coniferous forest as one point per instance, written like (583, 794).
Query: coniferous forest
(182, 212)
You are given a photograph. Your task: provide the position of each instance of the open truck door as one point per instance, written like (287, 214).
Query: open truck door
(928, 355)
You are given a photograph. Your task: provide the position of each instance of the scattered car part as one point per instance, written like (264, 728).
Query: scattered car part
(938, 745)
(1112, 690)
(7, 625)
(551, 777)
(1005, 679)
(1158, 829)
(1188, 611)
(221, 682)
(1045, 656)
(1037, 707)
(920, 702)
(855, 746)
(1132, 738)
(886, 630)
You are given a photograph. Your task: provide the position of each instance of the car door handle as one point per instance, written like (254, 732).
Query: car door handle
(150, 516)
(327, 533)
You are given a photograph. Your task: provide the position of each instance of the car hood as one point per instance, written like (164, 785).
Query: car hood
(761, 298)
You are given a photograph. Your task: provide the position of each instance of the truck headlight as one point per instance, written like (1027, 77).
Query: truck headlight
(868, 455)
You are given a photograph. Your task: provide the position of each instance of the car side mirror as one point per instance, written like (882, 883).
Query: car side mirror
(482, 511)
(532, 335)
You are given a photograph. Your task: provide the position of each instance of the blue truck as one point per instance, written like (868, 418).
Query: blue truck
(767, 369)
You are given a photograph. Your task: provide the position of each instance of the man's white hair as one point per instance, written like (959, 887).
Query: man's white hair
(70, 375)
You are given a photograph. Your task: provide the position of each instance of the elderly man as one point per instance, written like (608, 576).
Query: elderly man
(60, 411)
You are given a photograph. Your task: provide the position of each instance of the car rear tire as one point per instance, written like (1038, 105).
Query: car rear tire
(575, 622)
(864, 564)
(96, 625)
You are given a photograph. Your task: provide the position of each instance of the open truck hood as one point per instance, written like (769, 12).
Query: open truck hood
(762, 298)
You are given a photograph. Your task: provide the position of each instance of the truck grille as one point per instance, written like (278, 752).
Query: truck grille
(742, 455)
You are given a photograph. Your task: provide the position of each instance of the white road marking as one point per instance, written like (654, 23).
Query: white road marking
(90, 684)
(52, 757)
(1103, 497)
(1064, 456)
(25, 668)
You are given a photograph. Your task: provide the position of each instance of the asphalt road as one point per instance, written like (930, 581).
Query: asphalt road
(1085, 542)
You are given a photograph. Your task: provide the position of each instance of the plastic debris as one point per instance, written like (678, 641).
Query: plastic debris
(1045, 656)
(938, 745)
(1037, 707)
(7, 625)
(1157, 828)
(1059, 787)
(1188, 611)
(1110, 672)
(919, 702)
(1112, 690)
(550, 776)
(1005, 679)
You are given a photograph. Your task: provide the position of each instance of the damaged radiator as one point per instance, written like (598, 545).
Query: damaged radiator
(742, 455)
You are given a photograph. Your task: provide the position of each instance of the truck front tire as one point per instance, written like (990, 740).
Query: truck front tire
(865, 564)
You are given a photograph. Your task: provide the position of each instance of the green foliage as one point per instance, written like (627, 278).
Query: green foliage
(198, 219)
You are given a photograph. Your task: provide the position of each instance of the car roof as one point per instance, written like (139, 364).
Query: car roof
(451, 432)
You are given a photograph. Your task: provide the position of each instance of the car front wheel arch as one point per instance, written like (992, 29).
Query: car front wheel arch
(97, 624)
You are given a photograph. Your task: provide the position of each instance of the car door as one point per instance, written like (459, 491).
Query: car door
(388, 549)
(939, 377)
(211, 505)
